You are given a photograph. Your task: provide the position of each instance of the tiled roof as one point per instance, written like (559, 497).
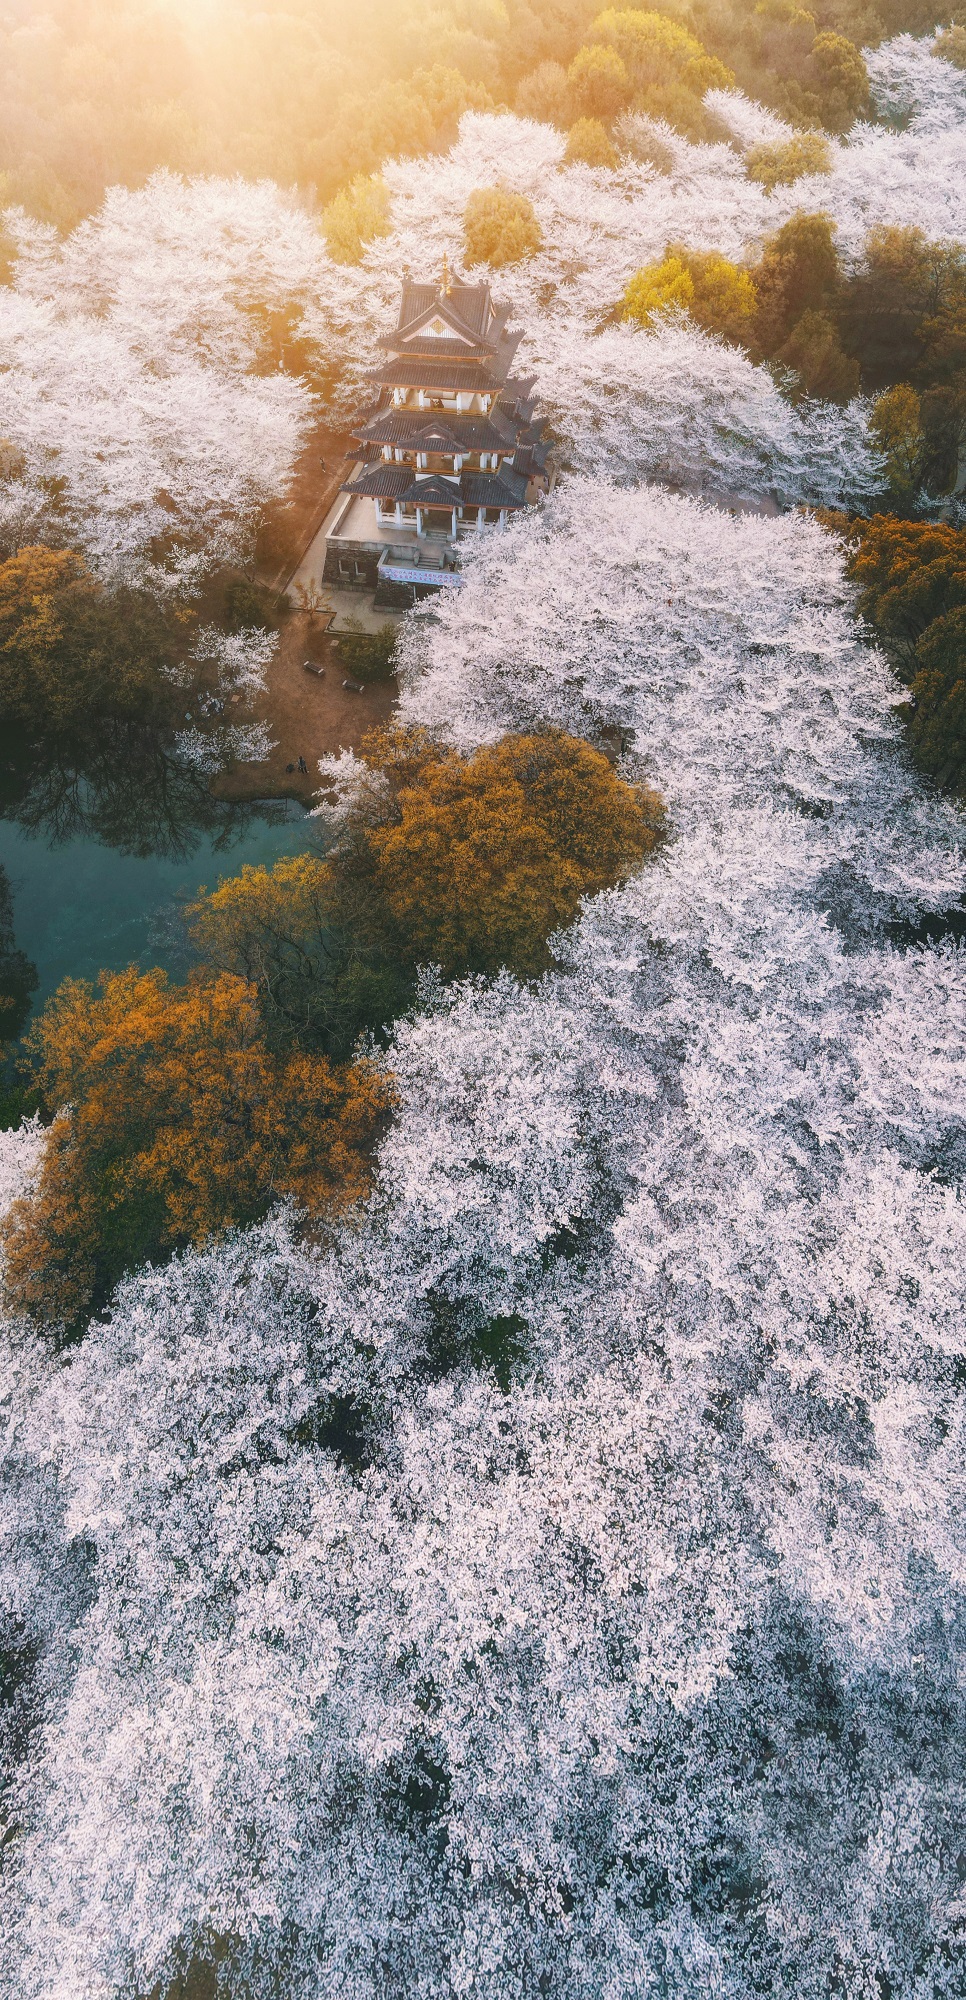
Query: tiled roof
(429, 487)
(381, 482)
(469, 306)
(424, 371)
(493, 489)
(470, 376)
(473, 489)
(433, 347)
(429, 430)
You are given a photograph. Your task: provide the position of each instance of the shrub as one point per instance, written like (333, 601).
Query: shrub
(500, 227)
(356, 217)
(599, 84)
(587, 142)
(174, 1121)
(248, 603)
(780, 165)
(371, 656)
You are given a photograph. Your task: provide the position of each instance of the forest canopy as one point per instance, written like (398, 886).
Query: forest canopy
(320, 91)
(482, 1491)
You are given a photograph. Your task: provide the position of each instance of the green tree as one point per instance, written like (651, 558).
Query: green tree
(71, 652)
(896, 426)
(813, 349)
(912, 588)
(18, 976)
(937, 730)
(837, 74)
(500, 227)
(903, 312)
(798, 273)
(313, 941)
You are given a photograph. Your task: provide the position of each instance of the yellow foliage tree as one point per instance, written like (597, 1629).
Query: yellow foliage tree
(589, 143)
(599, 83)
(500, 227)
(658, 52)
(174, 1121)
(779, 165)
(656, 287)
(719, 296)
(355, 217)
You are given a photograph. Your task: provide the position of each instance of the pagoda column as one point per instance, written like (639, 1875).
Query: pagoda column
(455, 528)
(419, 520)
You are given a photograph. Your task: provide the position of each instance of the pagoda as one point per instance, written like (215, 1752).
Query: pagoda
(447, 447)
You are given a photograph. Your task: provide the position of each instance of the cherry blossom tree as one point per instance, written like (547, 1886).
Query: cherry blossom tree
(553, 1583)
(913, 87)
(133, 382)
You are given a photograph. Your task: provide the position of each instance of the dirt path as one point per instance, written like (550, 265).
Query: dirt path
(292, 524)
(308, 717)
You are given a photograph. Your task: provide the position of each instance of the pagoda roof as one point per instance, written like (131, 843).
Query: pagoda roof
(425, 430)
(381, 482)
(475, 489)
(468, 309)
(424, 370)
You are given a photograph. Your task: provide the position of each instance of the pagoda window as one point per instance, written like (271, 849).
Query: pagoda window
(399, 398)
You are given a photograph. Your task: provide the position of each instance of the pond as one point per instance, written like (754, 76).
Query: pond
(80, 906)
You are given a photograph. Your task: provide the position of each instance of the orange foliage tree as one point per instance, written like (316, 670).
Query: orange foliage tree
(174, 1121)
(481, 858)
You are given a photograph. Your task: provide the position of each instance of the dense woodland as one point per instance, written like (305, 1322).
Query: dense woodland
(482, 1471)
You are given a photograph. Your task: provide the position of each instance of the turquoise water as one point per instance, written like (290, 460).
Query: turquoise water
(81, 906)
